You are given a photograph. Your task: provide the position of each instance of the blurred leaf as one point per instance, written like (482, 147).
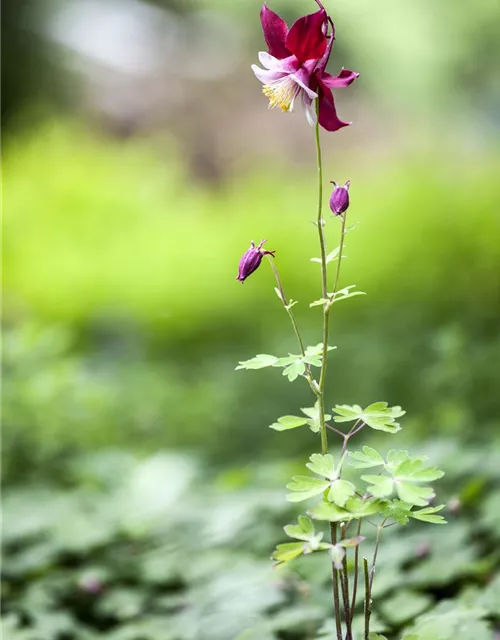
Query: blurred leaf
(404, 606)
(287, 552)
(259, 362)
(294, 370)
(313, 414)
(425, 515)
(450, 621)
(288, 422)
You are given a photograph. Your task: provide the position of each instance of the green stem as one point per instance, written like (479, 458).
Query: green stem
(341, 249)
(295, 326)
(324, 291)
(322, 379)
(286, 305)
(356, 570)
(335, 581)
(344, 577)
(368, 602)
(375, 552)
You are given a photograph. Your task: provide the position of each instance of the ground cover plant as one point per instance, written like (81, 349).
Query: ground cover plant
(164, 547)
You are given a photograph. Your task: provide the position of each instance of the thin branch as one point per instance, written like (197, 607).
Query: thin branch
(356, 571)
(329, 426)
(291, 315)
(368, 601)
(341, 249)
(335, 578)
(344, 578)
(375, 552)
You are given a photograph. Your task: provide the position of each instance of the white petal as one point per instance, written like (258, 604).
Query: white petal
(312, 94)
(268, 61)
(311, 115)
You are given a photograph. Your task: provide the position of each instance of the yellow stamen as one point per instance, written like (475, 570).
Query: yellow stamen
(281, 93)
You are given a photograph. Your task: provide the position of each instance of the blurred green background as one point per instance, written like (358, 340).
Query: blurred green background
(139, 160)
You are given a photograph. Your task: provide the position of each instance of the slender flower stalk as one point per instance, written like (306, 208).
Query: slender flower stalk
(335, 580)
(345, 588)
(356, 571)
(322, 379)
(324, 292)
(287, 305)
(288, 308)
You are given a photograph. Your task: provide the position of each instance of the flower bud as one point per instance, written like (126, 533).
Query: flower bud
(251, 260)
(339, 200)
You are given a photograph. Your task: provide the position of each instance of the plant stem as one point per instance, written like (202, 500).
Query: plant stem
(286, 305)
(295, 326)
(319, 217)
(368, 602)
(375, 552)
(335, 580)
(356, 570)
(324, 292)
(321, 385)
(341, 249)
(344, 578)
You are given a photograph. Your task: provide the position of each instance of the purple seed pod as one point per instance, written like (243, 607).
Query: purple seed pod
(251, 260)
(339, 200)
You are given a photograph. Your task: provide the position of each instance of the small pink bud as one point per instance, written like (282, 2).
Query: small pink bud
(339, 200)
(251, 260)
(90, 584)
(423, 550)
(454, 505)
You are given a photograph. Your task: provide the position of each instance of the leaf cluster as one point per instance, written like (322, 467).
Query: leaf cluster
(294, 365)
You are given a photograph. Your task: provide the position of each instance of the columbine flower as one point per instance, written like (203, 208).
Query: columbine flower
(295, 65)
(251, 260)
(339, 200)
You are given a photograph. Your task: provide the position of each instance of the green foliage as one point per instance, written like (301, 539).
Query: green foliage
(405, 475)
(147, 365)
(304, 531)
(288, 422)
(354, 509)
(305, 487)
(447, 621)
(365, 459)
(341, 294)
(378, 416)
(292, 422)
(294, 365)
(165, 548)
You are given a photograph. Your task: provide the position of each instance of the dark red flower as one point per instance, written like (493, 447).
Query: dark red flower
(251, 260)
(295, 65)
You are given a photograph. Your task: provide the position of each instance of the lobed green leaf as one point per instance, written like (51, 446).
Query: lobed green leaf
(288, 422)
(305, 487)
(340, 492)
(323, 465)
(259, 362)
(365, 459)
